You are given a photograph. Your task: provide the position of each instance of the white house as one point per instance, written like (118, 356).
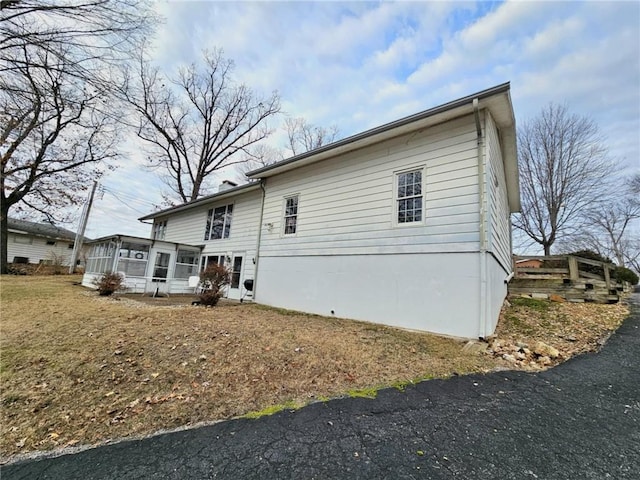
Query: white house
(406, 224)
(32, 242)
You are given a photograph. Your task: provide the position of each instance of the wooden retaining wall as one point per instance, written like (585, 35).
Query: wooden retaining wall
(575, 279)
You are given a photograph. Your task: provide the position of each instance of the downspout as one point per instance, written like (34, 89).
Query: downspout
(484, 292)
(258, 240)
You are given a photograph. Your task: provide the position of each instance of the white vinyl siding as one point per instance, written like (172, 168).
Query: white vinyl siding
(349, 200)
(36, 249)
(498, 208)
(188, 226)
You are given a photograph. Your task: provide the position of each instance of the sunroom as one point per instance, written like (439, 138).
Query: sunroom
(147, 266)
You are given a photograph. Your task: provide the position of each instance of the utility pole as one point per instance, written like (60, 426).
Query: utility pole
(77, 245)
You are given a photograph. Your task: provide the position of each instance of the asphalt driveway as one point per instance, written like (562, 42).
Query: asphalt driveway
(578, 420)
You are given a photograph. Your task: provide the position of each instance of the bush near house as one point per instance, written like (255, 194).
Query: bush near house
(213, 278)
(109, 283)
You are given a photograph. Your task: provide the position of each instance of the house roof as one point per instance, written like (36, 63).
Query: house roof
(230, 192)
(40, 229)
(496, 99)
(119, 237)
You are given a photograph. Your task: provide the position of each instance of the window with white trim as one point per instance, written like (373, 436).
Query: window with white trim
(186, 263)
(159, 229)
(219, 223)
(409, 199)
(290, 215)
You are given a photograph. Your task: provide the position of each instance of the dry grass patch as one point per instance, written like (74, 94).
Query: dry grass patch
(80, 369)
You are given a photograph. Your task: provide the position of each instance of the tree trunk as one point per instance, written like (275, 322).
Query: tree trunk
(4, 237)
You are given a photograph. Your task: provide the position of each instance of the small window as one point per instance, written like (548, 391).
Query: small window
(159, 229)
(51, 242)
(218, 223)
(70, 247)
(22, 239)
(291, 215)
(409, 204)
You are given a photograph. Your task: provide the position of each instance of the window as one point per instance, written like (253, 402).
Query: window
(23, 239)
(101, 257)
(186, 263)
(133, 258)
(218, 223)
(212, 260)
(70, 246)
(409, 197)
(51, 242)
(290, 215)
(159, 229)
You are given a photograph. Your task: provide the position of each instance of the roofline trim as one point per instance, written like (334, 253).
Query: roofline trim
(498, 89)
(201, 201)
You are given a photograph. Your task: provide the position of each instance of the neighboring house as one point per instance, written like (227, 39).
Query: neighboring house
(406, 224)
(31, 242)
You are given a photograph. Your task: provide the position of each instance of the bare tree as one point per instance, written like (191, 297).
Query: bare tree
(304, 137)
(58, 62)
(199, 122)
(609, 227)
(564, 170)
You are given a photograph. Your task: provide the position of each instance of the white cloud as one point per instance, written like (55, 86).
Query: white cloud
(358, 65)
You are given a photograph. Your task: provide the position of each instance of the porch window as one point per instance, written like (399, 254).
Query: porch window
(218, 223)
(409, 204)
(290, 215)
(186, 263)
(101, 257)
(132, 259)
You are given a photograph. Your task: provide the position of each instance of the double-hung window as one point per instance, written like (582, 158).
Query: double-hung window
(218, 223)
(409, 197)
(290, 215)
(159, 229)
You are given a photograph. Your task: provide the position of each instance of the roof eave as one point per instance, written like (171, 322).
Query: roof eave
(204, 200)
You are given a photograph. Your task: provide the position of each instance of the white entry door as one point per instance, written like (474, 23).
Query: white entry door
(235, 285)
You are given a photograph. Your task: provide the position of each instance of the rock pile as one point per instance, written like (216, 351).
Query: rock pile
(535, 356)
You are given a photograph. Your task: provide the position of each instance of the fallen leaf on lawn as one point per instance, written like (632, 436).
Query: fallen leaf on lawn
(110, 393)
(155, 375)
(21, 443)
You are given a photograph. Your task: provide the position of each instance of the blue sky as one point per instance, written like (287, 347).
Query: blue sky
(361, 64)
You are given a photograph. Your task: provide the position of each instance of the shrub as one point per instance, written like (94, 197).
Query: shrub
(214, 278)
(109, 283)
(623, 274)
